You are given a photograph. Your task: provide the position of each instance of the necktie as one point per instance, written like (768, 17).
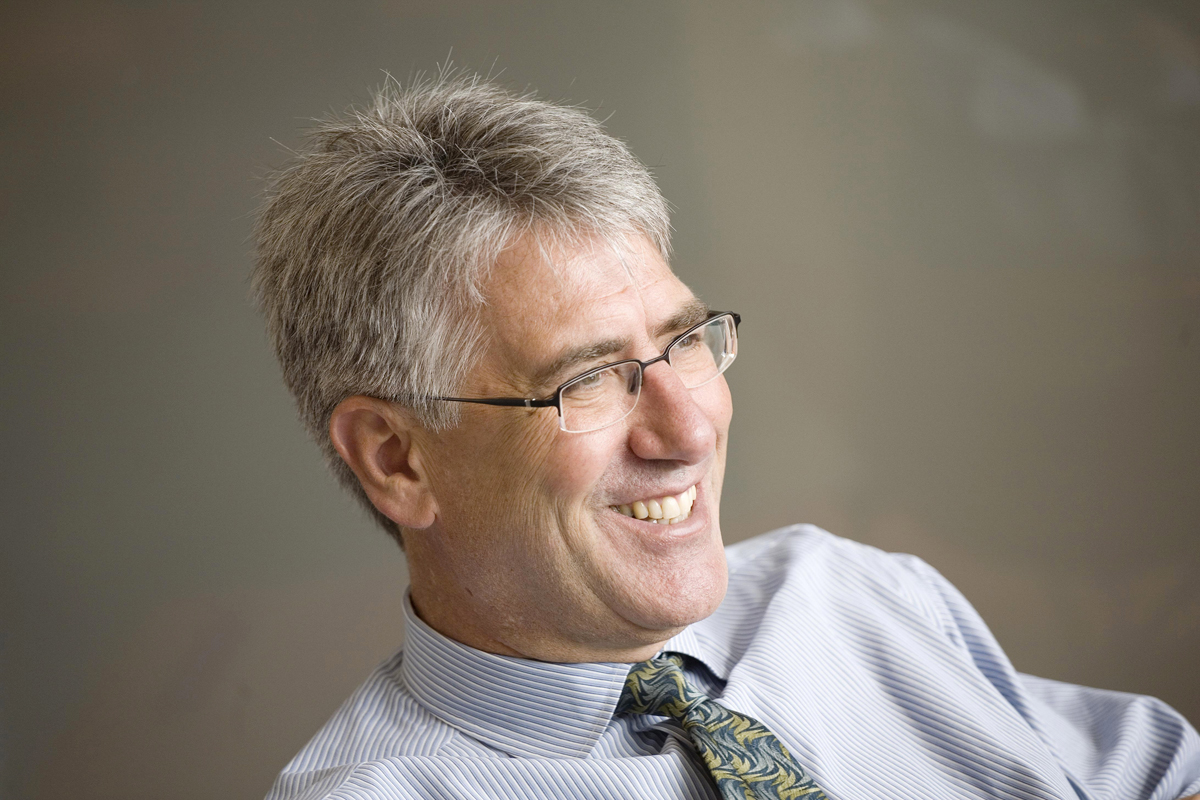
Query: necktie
(747, 762)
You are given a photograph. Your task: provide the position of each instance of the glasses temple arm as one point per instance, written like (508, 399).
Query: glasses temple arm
(519, 402)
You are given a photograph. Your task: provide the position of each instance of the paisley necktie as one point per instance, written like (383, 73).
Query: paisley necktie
(747, 762)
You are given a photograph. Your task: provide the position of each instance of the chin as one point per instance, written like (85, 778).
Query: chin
(682, 600)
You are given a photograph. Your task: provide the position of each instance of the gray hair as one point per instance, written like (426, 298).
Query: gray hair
(374, 243)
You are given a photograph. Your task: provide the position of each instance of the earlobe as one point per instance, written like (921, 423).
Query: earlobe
(376, 440)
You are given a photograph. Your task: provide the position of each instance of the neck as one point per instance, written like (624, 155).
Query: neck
(503, 630)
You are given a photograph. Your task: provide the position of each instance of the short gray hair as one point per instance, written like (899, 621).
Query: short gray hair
(374, 242)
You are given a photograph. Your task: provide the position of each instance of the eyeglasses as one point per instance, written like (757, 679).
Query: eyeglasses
(607, 394)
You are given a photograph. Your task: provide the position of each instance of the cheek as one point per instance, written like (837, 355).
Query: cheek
(578, 461)
(717, 403)
(489, 470)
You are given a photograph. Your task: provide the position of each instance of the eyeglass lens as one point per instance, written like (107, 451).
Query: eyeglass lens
(598, 399)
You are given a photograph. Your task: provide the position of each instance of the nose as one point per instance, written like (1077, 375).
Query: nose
(669, 422)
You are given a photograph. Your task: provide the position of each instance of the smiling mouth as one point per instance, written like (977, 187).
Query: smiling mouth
(667, 510)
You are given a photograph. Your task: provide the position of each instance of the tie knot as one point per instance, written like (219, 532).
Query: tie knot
(658, 686)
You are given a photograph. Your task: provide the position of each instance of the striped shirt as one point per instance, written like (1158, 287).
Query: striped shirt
(876, 673)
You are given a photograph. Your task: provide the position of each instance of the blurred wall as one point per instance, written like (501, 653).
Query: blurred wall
(963, 237)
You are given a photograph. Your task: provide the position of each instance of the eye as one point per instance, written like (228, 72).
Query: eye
(592, 385)
(588, 381)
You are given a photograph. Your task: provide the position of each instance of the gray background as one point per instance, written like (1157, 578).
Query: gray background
(963, 237)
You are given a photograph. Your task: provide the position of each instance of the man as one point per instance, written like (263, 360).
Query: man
(470, 296)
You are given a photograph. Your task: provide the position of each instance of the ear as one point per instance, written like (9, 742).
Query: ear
(376, 440)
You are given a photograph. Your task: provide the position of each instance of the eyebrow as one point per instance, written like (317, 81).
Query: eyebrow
(692, 313)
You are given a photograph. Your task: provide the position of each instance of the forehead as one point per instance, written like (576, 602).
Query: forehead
(558, 296)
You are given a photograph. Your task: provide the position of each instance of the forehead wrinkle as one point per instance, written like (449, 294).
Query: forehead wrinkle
(637, 289)
(559, 257)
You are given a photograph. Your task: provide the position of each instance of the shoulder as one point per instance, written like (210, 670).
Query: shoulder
(834, 572)
(809, 550)
(379, 720)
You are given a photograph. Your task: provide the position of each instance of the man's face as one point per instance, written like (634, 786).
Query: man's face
(529, 554)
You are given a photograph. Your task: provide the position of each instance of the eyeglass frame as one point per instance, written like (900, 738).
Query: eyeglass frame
(555, 400)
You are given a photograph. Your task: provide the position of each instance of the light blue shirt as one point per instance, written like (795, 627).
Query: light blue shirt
(876, 673)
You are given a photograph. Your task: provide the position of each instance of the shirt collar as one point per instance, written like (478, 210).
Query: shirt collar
(519, 706)
(524, 707)
(697, 642)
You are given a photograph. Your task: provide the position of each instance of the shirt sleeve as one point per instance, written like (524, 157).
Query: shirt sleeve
(1111, 745)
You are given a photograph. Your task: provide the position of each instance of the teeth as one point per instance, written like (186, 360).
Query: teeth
(670, 508)
(661, 510)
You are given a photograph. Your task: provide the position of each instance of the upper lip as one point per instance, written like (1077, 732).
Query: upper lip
(667, 493)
